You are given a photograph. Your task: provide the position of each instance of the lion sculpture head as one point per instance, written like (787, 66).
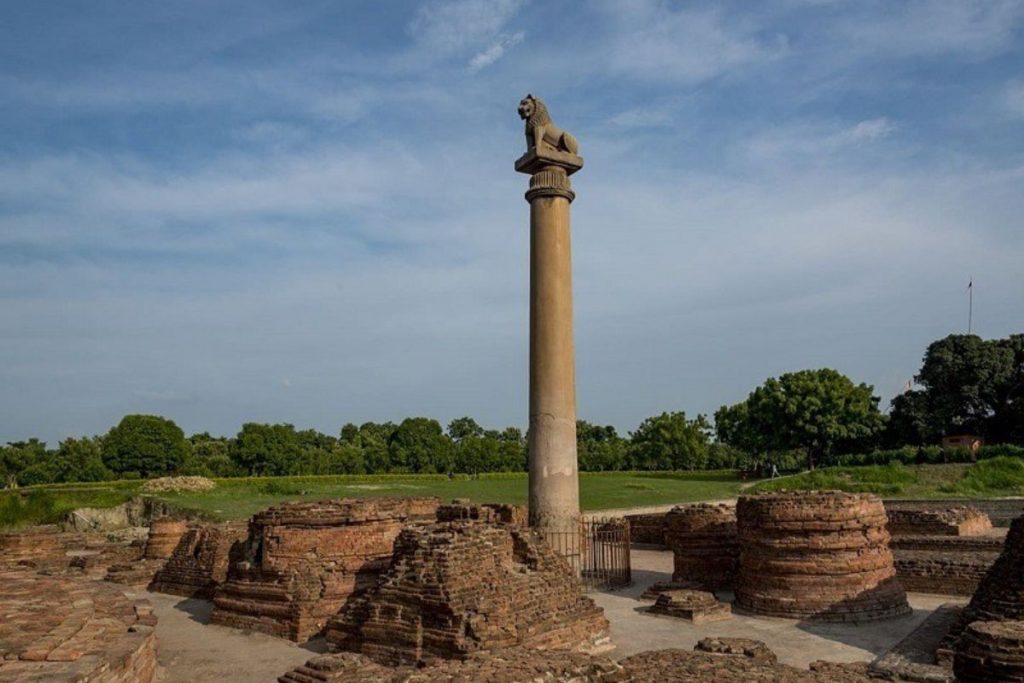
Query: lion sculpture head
(533, 111)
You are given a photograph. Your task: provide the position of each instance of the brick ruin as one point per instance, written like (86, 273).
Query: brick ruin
(65, 629)
(990, 651)
(164, 535)
(301, 561)
(457, 587)
(942, 550)
(696, 606)
(513, 665)
(648, 529)
(818, 555)
(199, 562)
(1000, 595)
(46, 548)
(704, 545)
(959, 520)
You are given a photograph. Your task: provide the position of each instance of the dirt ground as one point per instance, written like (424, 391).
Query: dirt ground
(194, 651)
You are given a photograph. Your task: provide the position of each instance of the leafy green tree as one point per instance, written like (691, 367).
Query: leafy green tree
(599, 448)
(909, 421)
(373, 441)
(512, 450)
(17, 457)
(670, 442)
(419, 445)
(147, 444)
(967, 381)
(80, 460)
(812, 410)
(266, 450)
(347, 458)
(463, 427)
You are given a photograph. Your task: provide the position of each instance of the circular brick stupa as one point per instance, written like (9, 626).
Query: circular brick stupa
(61, 629)
(820, 555)
(991, 651)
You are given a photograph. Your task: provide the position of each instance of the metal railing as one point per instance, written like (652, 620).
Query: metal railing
(597, 549)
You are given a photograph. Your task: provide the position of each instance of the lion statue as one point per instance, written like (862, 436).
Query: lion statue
(540, 130)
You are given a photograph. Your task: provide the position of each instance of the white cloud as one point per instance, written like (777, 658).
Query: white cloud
(495, 52)
(1013, 97)
(652, 41)
(453, 25)
(809, 141)
(642, 117)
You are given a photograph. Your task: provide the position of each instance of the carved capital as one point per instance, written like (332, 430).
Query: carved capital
(550, 181)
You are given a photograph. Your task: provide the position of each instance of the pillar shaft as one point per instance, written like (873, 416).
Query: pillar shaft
(554, 485)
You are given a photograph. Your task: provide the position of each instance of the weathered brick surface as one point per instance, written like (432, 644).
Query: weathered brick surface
(958, 520)
(46, 548)
(754, 649)
(649, 528)
(913, 658)
(1000, 595)
(695, 606)
(65, 628)
(991, 652)
(514, 665)
(942, 572)
(495, 513)
(817, 555)
(302, 561)
(704, 544)
(164, 535)
(200, 561)
(458, 587)
(680, 666)
(655, 589)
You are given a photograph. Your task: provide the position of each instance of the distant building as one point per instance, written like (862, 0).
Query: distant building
(968, 441)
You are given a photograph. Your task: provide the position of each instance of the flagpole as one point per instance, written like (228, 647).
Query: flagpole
(970, 304)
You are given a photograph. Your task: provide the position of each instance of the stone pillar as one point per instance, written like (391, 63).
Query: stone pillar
(554, 484)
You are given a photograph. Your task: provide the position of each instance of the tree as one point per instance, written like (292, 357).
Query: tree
(813, 410)
(599, 448)
(19, 456)
(147, 444)
(80, 460)
(266, 450)
(670, 442)
(419, 445)
(462, 427)
(909, 421)
(967, 382)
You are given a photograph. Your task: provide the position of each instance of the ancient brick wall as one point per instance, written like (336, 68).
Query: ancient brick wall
(46, 548)
(302, 561)
(991, 651)
(704, 544)
(1000, 594)
(200, 560)
(63, 628)
(959, 520)
(164, 535)
(1001, 511)
(821, 555)
(458, 587)
(648, 529)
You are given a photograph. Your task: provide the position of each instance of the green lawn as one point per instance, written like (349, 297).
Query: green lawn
(240, 498)
(992, 478)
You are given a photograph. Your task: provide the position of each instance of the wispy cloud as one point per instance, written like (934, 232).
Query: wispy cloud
(495, 52)
(453, 25)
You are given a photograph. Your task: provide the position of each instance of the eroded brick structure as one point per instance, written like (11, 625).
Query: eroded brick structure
(1000, 595)
(821, 555)
(751, 664)
(200, 561)
(458, 587)
(704, 544)
(514, 665)
(64, 629)
(695, 606)
(48, 549)
(991, 652)
(164, 535)
(648, 528)
(302, 561)
(959, 520)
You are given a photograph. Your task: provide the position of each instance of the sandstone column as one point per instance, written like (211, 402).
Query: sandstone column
(554, 486)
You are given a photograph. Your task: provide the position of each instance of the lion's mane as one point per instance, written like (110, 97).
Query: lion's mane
(539, 117)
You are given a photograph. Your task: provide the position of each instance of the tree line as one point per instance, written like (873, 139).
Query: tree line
(800, 419)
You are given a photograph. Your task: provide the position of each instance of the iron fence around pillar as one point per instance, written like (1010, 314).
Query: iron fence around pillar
(597, 549)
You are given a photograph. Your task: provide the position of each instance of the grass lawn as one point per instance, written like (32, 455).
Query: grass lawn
(240, 498)
(992, 478)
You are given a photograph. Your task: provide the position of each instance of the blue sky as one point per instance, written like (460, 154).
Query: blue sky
(306, 212)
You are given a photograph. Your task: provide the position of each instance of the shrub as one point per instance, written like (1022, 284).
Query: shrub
(1001, 474)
